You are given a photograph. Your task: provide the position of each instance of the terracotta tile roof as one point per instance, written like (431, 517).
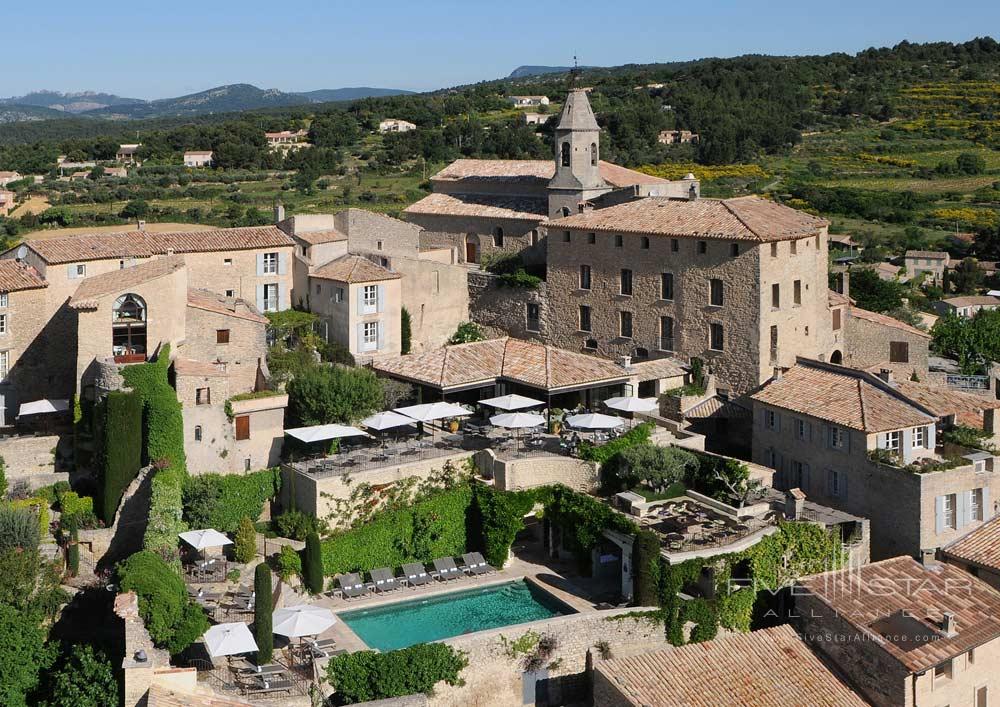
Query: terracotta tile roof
(190, 367)
(886, 320)
(843, 396)
(220, 304)
(163, 697)
(657, 368)
(92, 288)
(535, 171)
(981, 546)
(482, 205)
(943, 401)
(14, 276)
(482, 362)
(971, 300)
(198, 153)
(867, 596)
(354, 268)
(742, 219)
(767, 668)
(318, 237)
(835, 299)
(934, 254)
(143, 244)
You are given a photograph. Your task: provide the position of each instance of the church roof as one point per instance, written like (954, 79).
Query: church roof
(576, 113)
(538, 172)
(482, 205)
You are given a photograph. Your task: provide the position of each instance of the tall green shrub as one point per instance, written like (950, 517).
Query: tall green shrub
(246, 541)
(406, 331)
(121, 451)
(163, 422)
(262, 613)
(500, 519)
(312, 564)
(73, 554)
(646, 568)
(325, 394)
(222, 501)
(165, 520)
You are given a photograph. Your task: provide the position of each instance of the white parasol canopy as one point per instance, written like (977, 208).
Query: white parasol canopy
(511, 402)
(200, 539)
(433, 411)
(632, 404)
(229, 639)
(318, 433)
(386, 420)
(37, 407)
(517, 420)
(302, 620)
(594, 421)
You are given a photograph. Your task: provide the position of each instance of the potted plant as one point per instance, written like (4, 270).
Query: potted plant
(453, 425)
(555, 426)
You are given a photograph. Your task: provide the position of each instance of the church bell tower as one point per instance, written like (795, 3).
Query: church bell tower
(577, 147)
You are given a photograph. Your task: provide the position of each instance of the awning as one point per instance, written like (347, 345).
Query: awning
(200, 539)
(319, 433)
(594, 421)
(39, 407)
(301, 620)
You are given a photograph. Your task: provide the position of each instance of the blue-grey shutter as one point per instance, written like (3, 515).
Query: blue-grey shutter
(260, 298)
(962, 500)
(987, 509)
(380, 329)
(282, 297)
(360, 340)
(282, 263)
(359, 294)
(938, 514)
(931, 436)
(882, 440)
(842, 477)
(260, 263)
(379, 298)
(71, 271)
(777, 422)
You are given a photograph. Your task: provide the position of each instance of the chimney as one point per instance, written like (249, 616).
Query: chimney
(990, 421)
(279, 212)
(140, 225)
(692, 192)
(845, 283)
(778, 372)
(170, 251)
(795, 502)
(928, 557)
(626, 362)
(886, 375)
(949, 625)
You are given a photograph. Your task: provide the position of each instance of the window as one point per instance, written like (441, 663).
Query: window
(836, 319)
(919, 437)
(793, 247)
(976, 504)
(203, 396)
(942, 671)
(702, 247)
(319, 289)
(774, 250)
(271, 297)
(338, 294)
(666, 333)
(592, 238)
(222, 336)
(626, 282)
(378, 245)
(128, 329)
(892, 440)
(197, 433)
(3, 323)
(230, 293)
(242, 427)
(734, 249)
(369, 338)
(227, 262)
(593, 154)
(619, 241)
(644, 243)
(625, 324)
(78, 270)
(4, 364)
(584, 317)
(770, 419)
(590, 344)
(798, 475)
(246, 464)
(715, 292)
(982, 694)
(533, 238)
(675, 245)
(838, 438)
(497, 237)
(948, 513)
(584, 277)
(667, 285)
(801, 428)
(566, 235)
(716, 340)
(564, 149)
(3, 299)
(533, 313)
(797, 293)
(565, 212)
(369, 298)
(834, 484)
(775, 296)
(270, 264)
(899, 352)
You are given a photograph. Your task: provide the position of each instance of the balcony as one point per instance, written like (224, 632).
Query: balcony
(666, 343)
(130, 358)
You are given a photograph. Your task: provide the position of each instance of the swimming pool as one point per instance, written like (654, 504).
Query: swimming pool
(405, 623)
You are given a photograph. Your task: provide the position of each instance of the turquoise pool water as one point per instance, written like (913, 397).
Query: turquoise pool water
(405, 623)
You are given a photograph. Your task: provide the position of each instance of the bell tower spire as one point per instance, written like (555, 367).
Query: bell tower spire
(577, 155)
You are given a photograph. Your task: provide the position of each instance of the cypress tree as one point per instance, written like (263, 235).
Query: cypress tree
(312, 564)
(262, 628)
(406, 331)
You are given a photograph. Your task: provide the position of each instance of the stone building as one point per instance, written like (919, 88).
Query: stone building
(23, 369)
(966, 306)
(739, 283)
(978, 553)
(931, 263)
(859, 443)
(395, 125)
(198, 158)
(903, 633)
(8, 201)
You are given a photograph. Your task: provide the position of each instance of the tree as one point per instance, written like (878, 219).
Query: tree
(3, 479)
(262, 628)
(97, 172)
(320, 395)
(83, 677)
(968, 277)
(467, 332)
(23, 654)
(312, 564)
(872, 292)
(246, 541)
(654, 466)
(137, 208)
(970, 163)
(405, 331)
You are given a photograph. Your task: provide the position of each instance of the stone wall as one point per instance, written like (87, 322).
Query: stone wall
(218, 450)
(867, 344)
(519, 235)
(138, 674)
(502, 311)
(29, 456)
(246, 346)
(530, 472)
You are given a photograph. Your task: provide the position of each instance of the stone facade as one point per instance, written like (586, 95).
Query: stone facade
(27, 344)
(242, 348)
(503, 311)
(874, 344)
(535, 471)
(344, 316)
(210, 435)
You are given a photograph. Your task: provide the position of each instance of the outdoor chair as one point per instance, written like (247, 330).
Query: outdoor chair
(262, 686)
(384, 579)
(416, 574)
(351, 586)
(446, 569)
(476, 564)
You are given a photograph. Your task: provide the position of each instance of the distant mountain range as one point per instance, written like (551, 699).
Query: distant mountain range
(41, 105)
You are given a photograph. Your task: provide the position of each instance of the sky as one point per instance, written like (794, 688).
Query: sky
(145, 49)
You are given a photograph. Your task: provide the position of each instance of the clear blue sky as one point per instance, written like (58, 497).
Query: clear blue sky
(157, 48)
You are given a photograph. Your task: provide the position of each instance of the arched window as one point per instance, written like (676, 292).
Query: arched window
(593, 154)
(534, 236)
(197, 433)
(128, 329)
(498, 237)
(565, 211)
(565, 154)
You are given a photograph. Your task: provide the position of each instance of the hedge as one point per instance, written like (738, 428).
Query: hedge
(646, 568)
(221, 501)
(364, 676)
(163, 421)
(262, 613)
(165, 519)
(174, 621)
(499, 517)
(121, 451)
(603, 453)
(431, 528)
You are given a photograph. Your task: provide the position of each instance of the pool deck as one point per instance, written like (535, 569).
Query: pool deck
(548, 576)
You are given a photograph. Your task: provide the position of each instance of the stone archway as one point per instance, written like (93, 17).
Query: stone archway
(472, 248)
(837, 357)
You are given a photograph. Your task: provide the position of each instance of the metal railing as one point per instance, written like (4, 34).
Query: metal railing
(666, 343)
(968, 382)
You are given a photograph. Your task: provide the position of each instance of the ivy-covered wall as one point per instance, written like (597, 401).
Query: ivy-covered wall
(121, 449)
(220, 501)
(163, 421)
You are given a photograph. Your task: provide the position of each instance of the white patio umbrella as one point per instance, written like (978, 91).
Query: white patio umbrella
(302, 620)
(319, 433)
(517, 420)
(594, 421)
(433, 411)
(511, 402)
(386, 421)
(201, 539)
(38, 407)
(229, 639)
(632, 404)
